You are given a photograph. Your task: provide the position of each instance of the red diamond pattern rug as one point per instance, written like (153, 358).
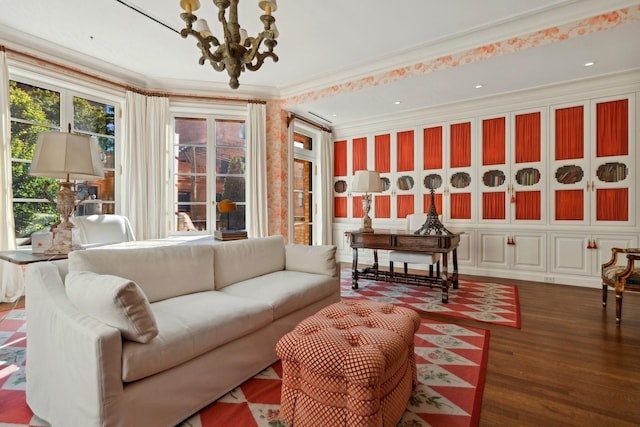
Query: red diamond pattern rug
(484, 302)
(451, 363)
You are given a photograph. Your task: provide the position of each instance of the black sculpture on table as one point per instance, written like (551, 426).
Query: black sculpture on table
(432, 225)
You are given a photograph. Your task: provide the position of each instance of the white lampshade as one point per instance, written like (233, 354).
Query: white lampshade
(202, 27)
(366, 182)
(67, 156)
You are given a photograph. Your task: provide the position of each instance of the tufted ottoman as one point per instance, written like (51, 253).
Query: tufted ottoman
(350, 364)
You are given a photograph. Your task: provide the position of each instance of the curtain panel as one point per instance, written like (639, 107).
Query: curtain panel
(145, 160)
(326, 188)
(12, 286)
(340, 158)
(256, 209)
(612, 128)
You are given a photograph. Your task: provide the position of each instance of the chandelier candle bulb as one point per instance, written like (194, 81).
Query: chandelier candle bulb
(190, 5)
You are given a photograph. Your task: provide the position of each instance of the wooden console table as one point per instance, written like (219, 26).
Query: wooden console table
(400, 240)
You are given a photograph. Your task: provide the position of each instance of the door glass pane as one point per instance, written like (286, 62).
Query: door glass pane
(230, 143)
(190, 157)
(302, 202)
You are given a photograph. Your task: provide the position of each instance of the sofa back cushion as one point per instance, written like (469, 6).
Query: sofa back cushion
(244, 259)
(312, 259)
(161, 272)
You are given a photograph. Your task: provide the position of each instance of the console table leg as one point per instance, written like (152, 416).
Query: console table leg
(354, 269)
(455, 268)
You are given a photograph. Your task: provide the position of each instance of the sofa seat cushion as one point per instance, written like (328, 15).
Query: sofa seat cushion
(285, 291)
(189, 326)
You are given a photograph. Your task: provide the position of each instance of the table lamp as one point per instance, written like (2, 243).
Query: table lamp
(366, 182)
(227, 206)
(68, 157)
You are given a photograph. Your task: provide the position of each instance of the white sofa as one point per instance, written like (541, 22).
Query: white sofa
(149, 336)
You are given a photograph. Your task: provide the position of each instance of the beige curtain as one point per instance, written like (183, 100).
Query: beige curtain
(326, 188)
(145, 165)
(11, 274)
(257, 213)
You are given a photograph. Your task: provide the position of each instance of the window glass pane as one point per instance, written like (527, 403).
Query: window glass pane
(192, 159)
(33, 216)
(34, 104)
(93, 117)
(231, 188)
(191, 131)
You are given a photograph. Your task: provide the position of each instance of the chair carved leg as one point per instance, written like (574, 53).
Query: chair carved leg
(618, 308)
(604, 296)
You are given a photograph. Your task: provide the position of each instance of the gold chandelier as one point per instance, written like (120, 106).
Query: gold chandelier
(238, 50)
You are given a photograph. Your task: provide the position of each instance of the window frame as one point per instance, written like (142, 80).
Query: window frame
(210, 113)
(67, 91)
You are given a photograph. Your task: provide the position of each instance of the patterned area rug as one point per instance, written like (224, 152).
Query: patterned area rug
(485, 302)
(451, 363)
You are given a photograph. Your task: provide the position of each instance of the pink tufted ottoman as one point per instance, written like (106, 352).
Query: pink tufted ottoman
(350, 364)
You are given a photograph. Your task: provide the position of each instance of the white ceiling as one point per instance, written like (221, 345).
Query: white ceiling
(327, 42)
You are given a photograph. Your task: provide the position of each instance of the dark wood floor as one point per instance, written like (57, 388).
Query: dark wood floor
(569, 364)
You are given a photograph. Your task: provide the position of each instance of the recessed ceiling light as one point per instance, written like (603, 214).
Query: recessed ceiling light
(334, 115)
(397, 102)
(479, 86)
(589, 64)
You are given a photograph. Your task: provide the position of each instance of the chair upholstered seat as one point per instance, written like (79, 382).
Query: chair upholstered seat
(414, 222)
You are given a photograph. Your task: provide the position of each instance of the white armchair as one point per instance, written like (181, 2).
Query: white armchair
(414, 222)
(102, 229)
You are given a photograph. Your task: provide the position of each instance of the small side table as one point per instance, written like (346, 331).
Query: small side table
(25, 256)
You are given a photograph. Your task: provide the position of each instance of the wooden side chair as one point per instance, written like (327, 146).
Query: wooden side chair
(413, 222)
(620, 277)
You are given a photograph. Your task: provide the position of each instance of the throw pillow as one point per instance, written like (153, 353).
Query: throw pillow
(311, 259)
(113, 300)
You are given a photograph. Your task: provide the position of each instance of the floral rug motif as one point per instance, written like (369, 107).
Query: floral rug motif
(451, 362)
(484, 302)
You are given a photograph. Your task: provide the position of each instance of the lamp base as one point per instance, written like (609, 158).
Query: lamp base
(62, 240)
(366, 225)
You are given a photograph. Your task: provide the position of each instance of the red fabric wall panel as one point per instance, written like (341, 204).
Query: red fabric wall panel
(359, 154)
(383, 153)
(613, 204)
(461, 206)
(432, 148)
(340, 207)
(493, 205)
(461, 145)
(570, 133)
(612, 128)
(569, 205)
(340, 158)
(493, 141)
(405, 151)
(528, 205)
(528, 137)
(383, 206)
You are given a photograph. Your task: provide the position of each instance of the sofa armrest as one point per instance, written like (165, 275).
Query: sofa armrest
(312, 259)
(74, 360)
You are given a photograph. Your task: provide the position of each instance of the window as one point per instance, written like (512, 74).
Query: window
(198, 142)
(35, 108)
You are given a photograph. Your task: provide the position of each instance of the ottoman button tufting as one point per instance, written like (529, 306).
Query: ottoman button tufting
(357, 369)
